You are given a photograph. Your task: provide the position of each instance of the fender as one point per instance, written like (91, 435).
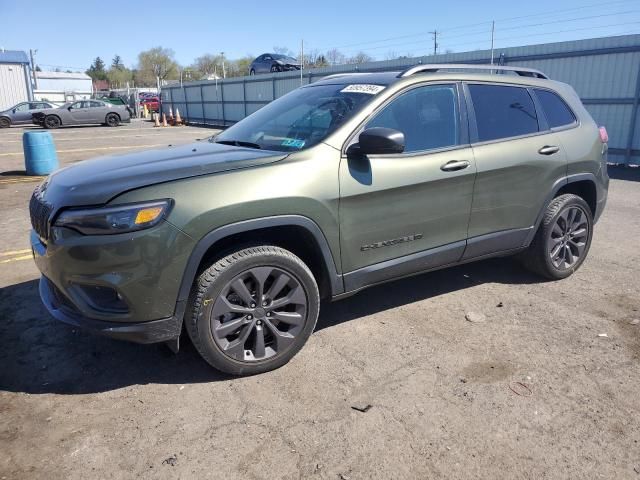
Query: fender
(561, 182)
(335, 280)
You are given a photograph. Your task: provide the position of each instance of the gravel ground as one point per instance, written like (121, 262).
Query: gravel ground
(533, 391)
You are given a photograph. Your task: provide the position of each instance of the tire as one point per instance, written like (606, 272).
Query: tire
(51, 122)
(112, 120)
(260, 335)
(252, 72)
(5, 122)
(563, 239)
(275, 68)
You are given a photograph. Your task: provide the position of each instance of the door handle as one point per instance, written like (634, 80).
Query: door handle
(455, 165)
(549, 150)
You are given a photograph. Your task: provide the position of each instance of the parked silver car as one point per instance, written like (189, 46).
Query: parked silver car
(83, 112)
(21, 113)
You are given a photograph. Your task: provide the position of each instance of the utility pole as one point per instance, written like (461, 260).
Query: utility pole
(493, 30)
(301, 59)
(224, 72)
(33, 69)
(435, 41)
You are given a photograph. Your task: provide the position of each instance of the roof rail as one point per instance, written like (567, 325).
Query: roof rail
(343, 74)
(431, 68)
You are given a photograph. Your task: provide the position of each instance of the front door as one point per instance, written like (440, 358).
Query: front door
(79, 112)
(408, 212)
(21, 114)
(518, 160)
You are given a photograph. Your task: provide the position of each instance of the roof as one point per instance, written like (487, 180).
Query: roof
(438, 72)
(13, 56)
(65, 75)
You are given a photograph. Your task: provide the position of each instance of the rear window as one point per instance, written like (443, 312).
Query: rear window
(555, 109)
(503, 111)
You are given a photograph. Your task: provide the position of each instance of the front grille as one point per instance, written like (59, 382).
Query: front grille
(39, 210)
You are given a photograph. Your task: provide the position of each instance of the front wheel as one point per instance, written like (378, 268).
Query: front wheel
(253, 310)
(51, 121)
(563, 239)
(275, 68)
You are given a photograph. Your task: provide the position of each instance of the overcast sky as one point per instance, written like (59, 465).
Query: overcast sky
(69, 34)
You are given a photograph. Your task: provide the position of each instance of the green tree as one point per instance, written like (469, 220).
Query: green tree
(96, 71)
(206, 65)
(155, 63)
(117, 63)
(239, 67)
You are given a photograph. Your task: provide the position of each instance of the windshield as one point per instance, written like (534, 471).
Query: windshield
(300, 119)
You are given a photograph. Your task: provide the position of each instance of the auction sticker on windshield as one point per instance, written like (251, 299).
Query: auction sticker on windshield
(362, 88)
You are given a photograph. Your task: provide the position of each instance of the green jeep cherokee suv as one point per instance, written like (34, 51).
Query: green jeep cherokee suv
(351, 181)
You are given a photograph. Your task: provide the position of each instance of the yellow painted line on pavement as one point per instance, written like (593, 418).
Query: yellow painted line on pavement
(16, 259)
(15, 252)
(105, 137)
(75, 150)
(11, 181)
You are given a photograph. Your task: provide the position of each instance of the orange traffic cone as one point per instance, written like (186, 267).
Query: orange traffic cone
(157, 119)
(170, 114)
(164, 119)
(178, 119)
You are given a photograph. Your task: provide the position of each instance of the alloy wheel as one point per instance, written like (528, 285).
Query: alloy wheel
(258, 314)
(568, 239)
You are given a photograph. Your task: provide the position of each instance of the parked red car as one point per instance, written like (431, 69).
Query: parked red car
(152, 103)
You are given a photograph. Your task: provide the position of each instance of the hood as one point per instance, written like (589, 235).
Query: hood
(96, 181)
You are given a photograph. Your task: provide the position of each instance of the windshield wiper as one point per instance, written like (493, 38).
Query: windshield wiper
(239, 143)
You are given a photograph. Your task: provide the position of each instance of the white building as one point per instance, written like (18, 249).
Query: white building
(15, 84)
(62, 86)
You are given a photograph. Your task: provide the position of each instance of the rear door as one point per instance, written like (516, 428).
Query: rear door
(518, 160)
(97, 112)
(397, 209)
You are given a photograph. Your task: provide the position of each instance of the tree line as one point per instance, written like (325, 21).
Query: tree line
(159, 63)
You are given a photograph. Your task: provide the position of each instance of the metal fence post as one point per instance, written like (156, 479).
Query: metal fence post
(244, 96)
(222, 102)
(634, 119)
(186, 103)
(202, 103)
(273, 88)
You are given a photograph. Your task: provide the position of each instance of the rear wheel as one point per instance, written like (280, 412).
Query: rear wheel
(253, 310)
(5, 122)
(563, 239)
(112, 120)
(51, 121)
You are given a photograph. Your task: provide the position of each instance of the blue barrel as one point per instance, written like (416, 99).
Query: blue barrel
(40, 156)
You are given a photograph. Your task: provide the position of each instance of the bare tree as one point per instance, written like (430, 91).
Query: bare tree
(284, 51)
(360, 57)
(155, 63)
(335, 56)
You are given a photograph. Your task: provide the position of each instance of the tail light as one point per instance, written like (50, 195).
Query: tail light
(604, 136)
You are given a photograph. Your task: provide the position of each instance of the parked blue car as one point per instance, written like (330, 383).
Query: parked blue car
(20, 114)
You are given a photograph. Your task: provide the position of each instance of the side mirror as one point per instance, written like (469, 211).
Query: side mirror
(70, 107)
(379, 141)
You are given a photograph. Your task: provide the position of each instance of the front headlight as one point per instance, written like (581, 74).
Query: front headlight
(112, 220)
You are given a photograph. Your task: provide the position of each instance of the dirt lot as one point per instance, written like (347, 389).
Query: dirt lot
(445, 402)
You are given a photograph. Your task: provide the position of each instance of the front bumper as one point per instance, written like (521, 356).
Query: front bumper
(143, 268)
(155, 331)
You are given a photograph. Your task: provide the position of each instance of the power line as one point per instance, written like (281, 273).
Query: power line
(488, 23)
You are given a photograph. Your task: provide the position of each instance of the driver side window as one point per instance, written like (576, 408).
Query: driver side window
(76, 105)
(22, 107)
(427, 116)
